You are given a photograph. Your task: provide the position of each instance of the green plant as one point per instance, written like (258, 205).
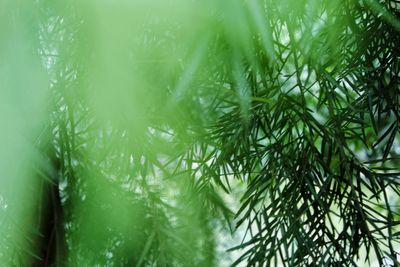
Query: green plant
(156, 116)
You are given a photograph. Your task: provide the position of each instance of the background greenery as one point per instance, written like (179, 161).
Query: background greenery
(162, 133)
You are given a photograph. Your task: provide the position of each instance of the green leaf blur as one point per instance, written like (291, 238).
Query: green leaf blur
(199, 133)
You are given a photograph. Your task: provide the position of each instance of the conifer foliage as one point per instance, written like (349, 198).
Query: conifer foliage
(158, 129)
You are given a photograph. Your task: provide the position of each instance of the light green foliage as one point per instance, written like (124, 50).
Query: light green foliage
(147, 117)
(23, 90)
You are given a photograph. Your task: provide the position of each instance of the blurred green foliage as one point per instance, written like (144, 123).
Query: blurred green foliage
(147, 133)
